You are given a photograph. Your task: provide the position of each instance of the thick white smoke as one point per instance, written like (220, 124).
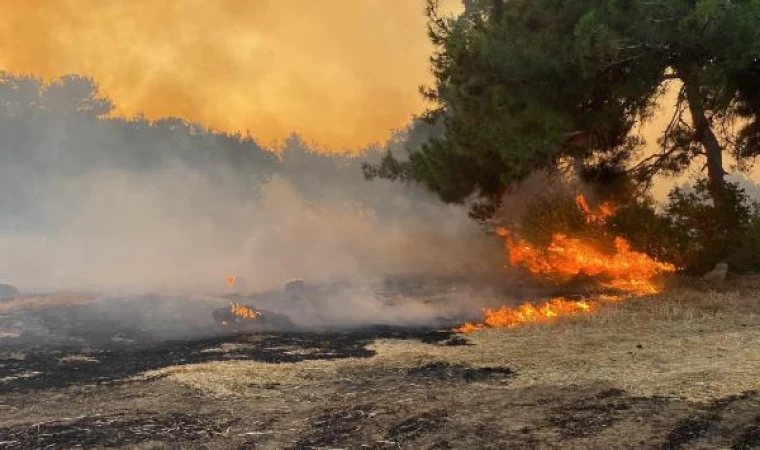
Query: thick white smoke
(177, 229)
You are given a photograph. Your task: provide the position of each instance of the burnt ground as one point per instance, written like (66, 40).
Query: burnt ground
(678, 371)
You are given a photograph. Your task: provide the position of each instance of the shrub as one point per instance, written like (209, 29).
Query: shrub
(690, 233)
(703, 235)
(552, 213)
(649, 232)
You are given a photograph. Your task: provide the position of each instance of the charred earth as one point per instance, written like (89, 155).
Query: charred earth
(677, 370)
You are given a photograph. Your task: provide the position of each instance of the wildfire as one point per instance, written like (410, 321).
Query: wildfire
(565, 258)
(605, 210)
(230, 280)
(506, 317)
(243, 312)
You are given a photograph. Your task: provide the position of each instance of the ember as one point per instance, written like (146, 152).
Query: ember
(565, 258)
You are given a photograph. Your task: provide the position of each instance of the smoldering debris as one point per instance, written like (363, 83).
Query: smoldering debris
(117, 321)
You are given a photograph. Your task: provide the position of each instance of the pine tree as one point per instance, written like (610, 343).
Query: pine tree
(523, 85)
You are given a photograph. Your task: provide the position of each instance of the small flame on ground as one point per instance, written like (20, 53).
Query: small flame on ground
(565, 258)
(506, 317)
(243, 312)
(230, 280)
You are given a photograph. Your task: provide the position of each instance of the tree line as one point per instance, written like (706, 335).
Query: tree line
(59, 131)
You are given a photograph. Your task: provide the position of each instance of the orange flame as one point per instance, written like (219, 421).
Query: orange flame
(605, 210)
(243, 312)
(506, 317)
(230, 280)
(565, 258)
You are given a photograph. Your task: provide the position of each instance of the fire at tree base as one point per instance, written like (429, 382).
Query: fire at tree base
(626, 271)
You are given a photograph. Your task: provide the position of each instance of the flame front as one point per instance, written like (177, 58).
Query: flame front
(243, 312)
(565, 258)
(506, 317)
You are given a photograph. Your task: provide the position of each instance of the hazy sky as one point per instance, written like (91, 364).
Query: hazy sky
(340, 72)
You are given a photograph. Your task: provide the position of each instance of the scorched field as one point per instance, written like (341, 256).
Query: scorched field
(677, 369)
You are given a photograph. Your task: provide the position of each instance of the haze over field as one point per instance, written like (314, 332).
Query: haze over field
(91, 196)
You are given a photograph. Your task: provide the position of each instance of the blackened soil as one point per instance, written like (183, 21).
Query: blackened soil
(335, 426)
(591, 415)
(69, 382)
(45, 367)
(112, 431)
(460, 372)
(430, 406)
(414, 427)
(750, 438)
(735, 420)
(344, 427)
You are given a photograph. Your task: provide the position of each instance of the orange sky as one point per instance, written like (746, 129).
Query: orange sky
(340, 72)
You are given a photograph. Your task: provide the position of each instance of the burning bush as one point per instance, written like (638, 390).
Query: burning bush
(555, 213)
(690, 232)
(591, 251)
(561, 240)
(646, 230)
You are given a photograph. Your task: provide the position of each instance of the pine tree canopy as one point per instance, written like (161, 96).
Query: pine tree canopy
(523, 85)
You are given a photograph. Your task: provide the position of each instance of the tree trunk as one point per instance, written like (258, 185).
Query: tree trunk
(706, 137)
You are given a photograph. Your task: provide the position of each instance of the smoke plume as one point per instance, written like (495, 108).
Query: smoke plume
(341, 72)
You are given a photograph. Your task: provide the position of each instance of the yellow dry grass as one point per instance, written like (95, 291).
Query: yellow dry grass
(688, 343)
(43, 301)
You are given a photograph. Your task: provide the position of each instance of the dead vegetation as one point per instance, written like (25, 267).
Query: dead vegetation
(676, 370)
(42, 301)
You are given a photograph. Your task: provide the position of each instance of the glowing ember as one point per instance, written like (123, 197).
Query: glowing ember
(230, 281)
(243, 312)
(565, 258)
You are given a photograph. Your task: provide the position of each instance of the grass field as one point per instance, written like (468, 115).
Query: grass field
(676, 370)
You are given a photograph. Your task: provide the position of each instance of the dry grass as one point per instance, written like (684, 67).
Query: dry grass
(691, 344)
(37, 302)
(589, 381)
(78, 359)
